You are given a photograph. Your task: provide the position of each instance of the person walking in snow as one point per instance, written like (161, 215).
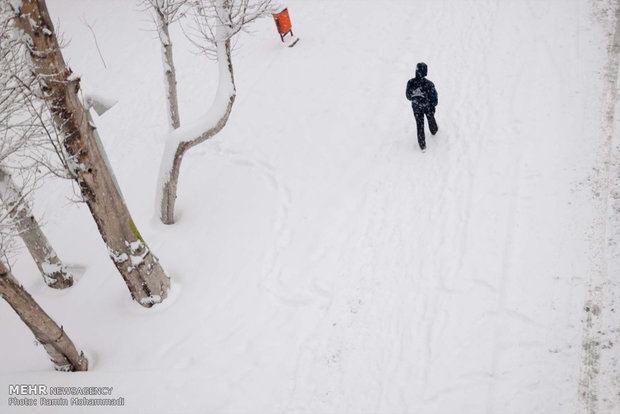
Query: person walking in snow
(423, 96)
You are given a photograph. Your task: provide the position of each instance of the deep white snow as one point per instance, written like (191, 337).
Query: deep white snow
(320, 262)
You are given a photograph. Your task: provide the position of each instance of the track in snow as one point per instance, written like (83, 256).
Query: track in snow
(421, 289)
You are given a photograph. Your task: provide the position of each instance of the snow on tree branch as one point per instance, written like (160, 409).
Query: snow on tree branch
(215, 24)
(236, 15)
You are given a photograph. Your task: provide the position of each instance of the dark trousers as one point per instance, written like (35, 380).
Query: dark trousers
(419, 122)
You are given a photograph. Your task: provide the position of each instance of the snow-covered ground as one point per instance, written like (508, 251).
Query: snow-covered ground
(320, 262)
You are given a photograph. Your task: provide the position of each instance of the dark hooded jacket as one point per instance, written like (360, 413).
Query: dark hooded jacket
(421, 92)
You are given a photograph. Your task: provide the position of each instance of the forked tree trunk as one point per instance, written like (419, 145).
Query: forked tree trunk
(214, 120)
(145, 278)
(170, 74)
(54, 273)
(54, 339)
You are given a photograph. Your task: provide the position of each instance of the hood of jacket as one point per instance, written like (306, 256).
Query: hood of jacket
(421, 70)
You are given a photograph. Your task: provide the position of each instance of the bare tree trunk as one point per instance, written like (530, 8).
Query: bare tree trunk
(218, 21)
(59, 347)
(54, 273)
(144, 276)
(170, 74)
(219, 112)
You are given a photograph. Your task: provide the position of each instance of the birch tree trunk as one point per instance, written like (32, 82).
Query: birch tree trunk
(170, 74)
(54, 339)
(140, 269)
(214, 120)
(54, 273)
